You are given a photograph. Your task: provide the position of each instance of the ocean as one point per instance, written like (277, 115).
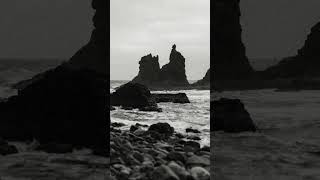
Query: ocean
(15, 70)
(287, 145)
(180, 116)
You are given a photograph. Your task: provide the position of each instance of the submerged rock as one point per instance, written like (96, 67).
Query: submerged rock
(230, 115)
(181, 98)
(162, 128)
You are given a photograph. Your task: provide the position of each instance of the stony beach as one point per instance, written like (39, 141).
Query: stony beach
(156, 153)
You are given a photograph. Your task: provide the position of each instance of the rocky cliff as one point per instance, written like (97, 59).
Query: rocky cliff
(229, 58)
(172, 74)
(93, 56)
(305, 64)
(149, 70)
(66, 104)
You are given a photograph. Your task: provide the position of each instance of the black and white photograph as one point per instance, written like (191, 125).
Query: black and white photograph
(160, 89)
(53, 96)
(265, 90)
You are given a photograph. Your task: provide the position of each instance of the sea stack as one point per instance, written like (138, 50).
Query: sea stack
(149, 70)
(229, 58)
(170, 75)
(304, 64)
(205, 81)
(174, 73)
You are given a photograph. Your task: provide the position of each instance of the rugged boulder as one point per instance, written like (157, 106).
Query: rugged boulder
(133, 95)
(65, 106)
(181, 98)
(230, 115)
(229, 57)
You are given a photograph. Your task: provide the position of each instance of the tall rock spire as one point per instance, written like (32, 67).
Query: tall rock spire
(229, 58)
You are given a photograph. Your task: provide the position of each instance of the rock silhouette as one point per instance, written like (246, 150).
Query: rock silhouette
(230, 115)
(229, 58)
(149, 70)
(205, 81)
(67, 104)
(304, 64)
(172, 74)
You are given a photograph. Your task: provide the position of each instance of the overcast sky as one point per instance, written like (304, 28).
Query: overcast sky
(44, 28)
(277, 28)
(140, 27)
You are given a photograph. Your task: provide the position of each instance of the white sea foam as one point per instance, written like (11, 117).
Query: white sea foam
(181, 116)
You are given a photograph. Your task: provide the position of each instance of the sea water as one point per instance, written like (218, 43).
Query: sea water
(180, 116)
(286, 146)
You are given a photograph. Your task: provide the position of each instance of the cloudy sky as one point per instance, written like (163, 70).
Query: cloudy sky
(140, 27)
(44, 28)
(277, 28)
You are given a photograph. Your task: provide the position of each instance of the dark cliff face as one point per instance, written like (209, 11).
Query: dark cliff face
(305, 64)
(94, 55)
(174, 72)
(149, 70)
(170, 75)
(229, 59)
(205, 81)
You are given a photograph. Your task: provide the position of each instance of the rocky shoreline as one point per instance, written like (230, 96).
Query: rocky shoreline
(156, 153)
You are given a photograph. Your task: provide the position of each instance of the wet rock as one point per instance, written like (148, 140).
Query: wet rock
(198, 161)
(176, 156)
(117, 124)
(191, 146)
(230, 115)
(199, 173)
(162, 128)
(163, 172)
(192, 130)
(6, 149)
(181, 98)
(151, 109)
(133, 95)
(178, 170)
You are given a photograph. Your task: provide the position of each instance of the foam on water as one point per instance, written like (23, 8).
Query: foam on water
(181, 116)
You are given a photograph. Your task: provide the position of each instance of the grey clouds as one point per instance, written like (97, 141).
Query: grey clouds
(44, 28)
(141, 27)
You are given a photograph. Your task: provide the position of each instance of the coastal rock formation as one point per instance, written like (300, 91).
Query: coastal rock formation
(170, 75)
(181, 98)
(229, 58)
(67, 104)
(94, 55)
(174, 72)
(149, 70)
(230, 115)
(133, 95)
(304, 64)
(205, 81)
